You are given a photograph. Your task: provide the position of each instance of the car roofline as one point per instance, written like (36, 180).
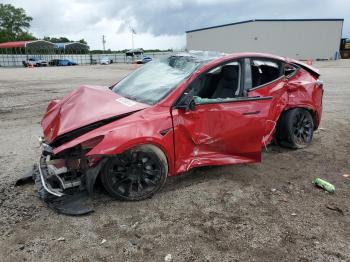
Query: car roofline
(251, 54)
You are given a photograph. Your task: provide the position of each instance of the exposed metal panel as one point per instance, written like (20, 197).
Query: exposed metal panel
(300, 39)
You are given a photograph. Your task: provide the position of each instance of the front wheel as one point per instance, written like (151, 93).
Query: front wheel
(295, 128)
(136, 174)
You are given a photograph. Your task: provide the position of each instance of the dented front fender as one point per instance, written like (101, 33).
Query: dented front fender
(143, 127)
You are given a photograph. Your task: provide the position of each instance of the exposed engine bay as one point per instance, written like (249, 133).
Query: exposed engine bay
(65, 182)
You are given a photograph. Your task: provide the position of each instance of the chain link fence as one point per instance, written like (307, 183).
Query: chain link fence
(16, 60)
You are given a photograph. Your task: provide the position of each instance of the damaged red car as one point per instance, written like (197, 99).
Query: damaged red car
(187, 110)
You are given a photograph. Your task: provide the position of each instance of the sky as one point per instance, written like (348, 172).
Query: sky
(162, 24)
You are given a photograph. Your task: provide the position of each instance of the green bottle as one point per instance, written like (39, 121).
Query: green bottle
(324, 184)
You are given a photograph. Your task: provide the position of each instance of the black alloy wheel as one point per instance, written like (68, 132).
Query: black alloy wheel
(295, 128)
(302, 129)
(136, 174)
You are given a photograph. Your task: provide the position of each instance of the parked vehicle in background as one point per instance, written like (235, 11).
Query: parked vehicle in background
(36, 62)
(345, 48)
(104, 60)
(61, 62)
(188, 110)
(144, 60)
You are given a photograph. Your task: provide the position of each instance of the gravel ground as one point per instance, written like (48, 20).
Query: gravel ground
(262, 212)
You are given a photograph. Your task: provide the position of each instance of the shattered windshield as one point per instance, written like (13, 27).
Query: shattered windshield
(153, 81)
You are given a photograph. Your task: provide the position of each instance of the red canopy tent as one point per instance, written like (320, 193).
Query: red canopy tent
(27, 46)
(14, 53)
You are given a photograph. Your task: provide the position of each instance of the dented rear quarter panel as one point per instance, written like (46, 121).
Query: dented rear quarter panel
(298, 91)
(303, 91)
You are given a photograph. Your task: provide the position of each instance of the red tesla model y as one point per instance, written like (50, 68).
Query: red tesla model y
(187, 110)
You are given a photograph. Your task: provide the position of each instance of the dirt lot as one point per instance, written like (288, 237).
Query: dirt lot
(262, 212)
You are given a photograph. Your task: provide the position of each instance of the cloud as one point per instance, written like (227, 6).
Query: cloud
(161, 24)
(175, 17)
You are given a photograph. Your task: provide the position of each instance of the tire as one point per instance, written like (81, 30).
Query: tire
(295, 129)
(136, 174)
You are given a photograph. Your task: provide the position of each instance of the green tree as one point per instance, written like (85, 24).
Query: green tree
(14, 24)
(62, 39)
(26, 36)
(57, 39)
(83, 41)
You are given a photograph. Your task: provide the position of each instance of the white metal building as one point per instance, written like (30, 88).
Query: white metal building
(295, 38)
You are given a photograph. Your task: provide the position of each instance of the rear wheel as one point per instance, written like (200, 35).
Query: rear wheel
(136, 174)
(295, 128)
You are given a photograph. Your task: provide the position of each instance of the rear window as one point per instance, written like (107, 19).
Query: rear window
(264, 71)
(289, 70)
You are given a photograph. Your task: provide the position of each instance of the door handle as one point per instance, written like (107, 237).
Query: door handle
(251, 113)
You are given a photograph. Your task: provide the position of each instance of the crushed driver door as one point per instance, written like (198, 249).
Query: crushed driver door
(220, 133)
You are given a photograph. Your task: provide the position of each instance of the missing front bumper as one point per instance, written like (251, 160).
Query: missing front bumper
(61, 190)
(73, 201)
(41, 178)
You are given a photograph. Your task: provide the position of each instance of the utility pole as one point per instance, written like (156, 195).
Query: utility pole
(104, 43)
(132, 39)
(133, 32)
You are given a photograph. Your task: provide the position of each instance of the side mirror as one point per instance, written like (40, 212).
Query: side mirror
(186, 103)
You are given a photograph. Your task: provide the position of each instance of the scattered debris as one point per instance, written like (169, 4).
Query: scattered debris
(335, 208)
(346, 175)
(103, 241)
(133, 242)
(168, 258)
(21, 247)
(324, 185)
(135, 225)
(61, 239)
(273, 189)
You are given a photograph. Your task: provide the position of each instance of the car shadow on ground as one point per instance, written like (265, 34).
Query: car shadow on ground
(243, 174)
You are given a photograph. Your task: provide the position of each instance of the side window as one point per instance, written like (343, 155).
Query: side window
(289, 70)
(220, 83)
(264, 71)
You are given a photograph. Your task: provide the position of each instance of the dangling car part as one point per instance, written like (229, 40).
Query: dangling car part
(187, 110)
(65, 184)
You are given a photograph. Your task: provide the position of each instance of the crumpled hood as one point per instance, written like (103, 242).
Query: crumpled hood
(84, 106)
